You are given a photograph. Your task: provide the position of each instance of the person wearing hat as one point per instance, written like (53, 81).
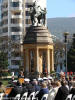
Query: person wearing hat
(17, 89)
(29, 86)
(35, 84)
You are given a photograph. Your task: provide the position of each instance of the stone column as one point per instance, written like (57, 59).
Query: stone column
(48, 60)
(40, 62)
(52, 60)
(27, 60)
(37, 60)
(24, 59)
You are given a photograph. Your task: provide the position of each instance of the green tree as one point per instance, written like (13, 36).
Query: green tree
(3, 61)
(71, 56)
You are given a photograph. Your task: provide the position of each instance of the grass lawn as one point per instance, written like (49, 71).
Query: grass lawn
(5, 82)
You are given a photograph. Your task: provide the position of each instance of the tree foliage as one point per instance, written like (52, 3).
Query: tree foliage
(3, 60)
(58, 51)
(71, 57)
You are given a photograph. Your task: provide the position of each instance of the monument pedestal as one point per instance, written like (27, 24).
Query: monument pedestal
(38, 51)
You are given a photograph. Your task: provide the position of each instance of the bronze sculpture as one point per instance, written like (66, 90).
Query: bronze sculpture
(38, 15)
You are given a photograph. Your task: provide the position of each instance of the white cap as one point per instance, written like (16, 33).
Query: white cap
(34, 79)
(26, 79)
(15, 81)
(50, 78)
(45, 78)
(40, 79)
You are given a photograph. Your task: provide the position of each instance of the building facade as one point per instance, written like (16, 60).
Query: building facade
(12, 30)
(15, 20)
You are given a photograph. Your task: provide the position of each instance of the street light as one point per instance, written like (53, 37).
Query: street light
(65, 41)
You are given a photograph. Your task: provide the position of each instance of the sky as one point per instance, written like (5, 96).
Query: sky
(60, 8)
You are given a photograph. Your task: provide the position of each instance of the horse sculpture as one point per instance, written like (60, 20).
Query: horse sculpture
(38, 16)
(42, 17)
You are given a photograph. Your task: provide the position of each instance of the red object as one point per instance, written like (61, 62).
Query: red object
(68, 73)
(73, 78)
(71, 73)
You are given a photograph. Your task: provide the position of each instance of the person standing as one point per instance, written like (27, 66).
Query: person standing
(62, 92)
(21, 74)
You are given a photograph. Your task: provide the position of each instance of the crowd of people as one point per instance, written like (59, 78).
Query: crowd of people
(57, 89)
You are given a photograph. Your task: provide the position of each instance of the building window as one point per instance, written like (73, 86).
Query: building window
(15, 46)
(15, 4)
(5, 5)
(16, 29)
(15, 62)
(5, 13)
(17, 13)
(15, 37)
(17, 20)
(15, 54)
(5, 30)
(5, 22)
(27, 13)
(28, 21)
(28, 5)
(0, 23)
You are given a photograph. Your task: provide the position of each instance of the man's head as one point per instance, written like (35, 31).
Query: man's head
(35, 81)
(44, 85)
(63, 83)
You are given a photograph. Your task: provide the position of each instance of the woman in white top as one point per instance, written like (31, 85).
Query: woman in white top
(54, 90)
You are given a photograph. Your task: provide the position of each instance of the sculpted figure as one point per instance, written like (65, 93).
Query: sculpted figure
(38, 15)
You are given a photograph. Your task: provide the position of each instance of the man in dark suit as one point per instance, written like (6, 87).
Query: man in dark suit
(62, 92)
(29, 86)
(35, 84)
(17, 89)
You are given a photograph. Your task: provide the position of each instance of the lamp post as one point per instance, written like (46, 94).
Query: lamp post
(65, 41)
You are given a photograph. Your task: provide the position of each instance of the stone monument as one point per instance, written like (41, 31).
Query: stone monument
(38, 15)
(38, 44)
